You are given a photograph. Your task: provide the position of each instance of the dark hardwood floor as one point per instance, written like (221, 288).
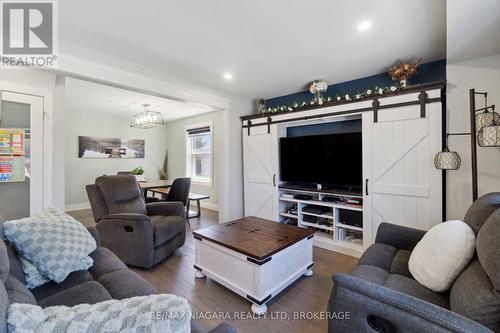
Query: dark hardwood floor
(175, 275)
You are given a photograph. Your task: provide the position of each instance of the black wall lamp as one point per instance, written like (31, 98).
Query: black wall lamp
(485, 128)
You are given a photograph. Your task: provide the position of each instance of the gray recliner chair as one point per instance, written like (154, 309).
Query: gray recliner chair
(140, 234)
(381, 295)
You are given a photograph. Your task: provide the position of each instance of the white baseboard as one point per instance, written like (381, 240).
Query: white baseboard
(206, 205)
(77, 206)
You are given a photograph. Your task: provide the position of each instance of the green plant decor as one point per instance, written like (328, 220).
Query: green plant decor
(138, 171)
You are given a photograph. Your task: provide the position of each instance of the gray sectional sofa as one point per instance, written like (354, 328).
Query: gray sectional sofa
(109, 278)
(381, 295)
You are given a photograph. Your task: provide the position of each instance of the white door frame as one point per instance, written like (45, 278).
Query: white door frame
(38, 159)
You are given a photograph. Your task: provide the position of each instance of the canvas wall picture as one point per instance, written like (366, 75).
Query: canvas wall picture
(96, 147)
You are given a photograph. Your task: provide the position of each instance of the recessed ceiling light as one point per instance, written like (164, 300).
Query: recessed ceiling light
(364, 25)
(228, 76)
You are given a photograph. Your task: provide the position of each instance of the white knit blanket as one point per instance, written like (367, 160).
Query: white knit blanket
(149, 314)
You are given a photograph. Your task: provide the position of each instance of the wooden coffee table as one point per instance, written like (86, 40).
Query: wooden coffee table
(253, 257)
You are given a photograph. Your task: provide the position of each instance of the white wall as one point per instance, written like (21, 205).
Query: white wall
(239, 106)
(81, 171)
(176, 147)
(482, 74)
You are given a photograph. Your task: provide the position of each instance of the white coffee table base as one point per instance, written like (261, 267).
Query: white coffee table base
(257, 281)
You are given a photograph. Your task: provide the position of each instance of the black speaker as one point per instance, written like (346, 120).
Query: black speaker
(351, 217)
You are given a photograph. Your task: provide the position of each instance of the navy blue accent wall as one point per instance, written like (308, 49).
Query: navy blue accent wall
(335, 127)
(428, 72)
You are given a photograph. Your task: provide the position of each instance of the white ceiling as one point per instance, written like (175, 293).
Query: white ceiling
(271, 47)
(91, 97)
(473, 29)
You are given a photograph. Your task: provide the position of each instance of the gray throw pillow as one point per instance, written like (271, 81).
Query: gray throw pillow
(54, 242)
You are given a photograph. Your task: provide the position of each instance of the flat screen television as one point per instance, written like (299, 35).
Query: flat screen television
(333, 160)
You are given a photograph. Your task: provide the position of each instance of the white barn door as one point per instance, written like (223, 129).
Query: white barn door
(401, 184)
(260, 172)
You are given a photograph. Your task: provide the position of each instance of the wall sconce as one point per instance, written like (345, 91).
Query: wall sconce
(485, 128)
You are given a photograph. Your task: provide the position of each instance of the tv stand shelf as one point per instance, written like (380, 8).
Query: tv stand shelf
(331, 233)
(325, 190)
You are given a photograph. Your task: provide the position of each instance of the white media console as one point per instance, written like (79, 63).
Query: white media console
(332, 233)
(401, 134)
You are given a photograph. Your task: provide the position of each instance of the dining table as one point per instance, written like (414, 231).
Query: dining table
(154, 184)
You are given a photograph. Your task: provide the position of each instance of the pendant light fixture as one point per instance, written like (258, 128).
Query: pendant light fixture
(147, 118)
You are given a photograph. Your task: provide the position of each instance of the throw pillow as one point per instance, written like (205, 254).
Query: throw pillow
(442, 254)
(161, 313)
(54, 242)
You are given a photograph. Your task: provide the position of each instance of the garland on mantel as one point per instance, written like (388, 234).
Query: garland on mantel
(330, 101)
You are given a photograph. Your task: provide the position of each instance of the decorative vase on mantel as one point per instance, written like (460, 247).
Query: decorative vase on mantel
(261, 105)
(317, 88)
(403, 70)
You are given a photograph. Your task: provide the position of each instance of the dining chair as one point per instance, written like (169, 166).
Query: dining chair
(179, 191)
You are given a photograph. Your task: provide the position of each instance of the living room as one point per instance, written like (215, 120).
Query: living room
(247, 167)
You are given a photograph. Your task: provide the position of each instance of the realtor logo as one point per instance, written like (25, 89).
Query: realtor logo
(27, 28)
(28, 33)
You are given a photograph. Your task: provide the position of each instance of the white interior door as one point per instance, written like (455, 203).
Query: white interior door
(401, 184)
(260, 172)
(25, 112)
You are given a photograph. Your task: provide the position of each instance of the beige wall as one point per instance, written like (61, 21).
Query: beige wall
(482, 74)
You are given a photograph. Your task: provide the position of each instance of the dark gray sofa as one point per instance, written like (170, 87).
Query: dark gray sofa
(107, 279)
(140, 234)
(381, 295)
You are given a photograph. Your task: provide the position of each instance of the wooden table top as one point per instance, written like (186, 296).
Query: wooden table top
(254, 237)
(155, 184)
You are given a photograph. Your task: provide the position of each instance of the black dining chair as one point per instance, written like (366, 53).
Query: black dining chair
(179, 191)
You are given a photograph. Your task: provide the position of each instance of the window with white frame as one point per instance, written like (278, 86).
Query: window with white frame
(199, 153)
